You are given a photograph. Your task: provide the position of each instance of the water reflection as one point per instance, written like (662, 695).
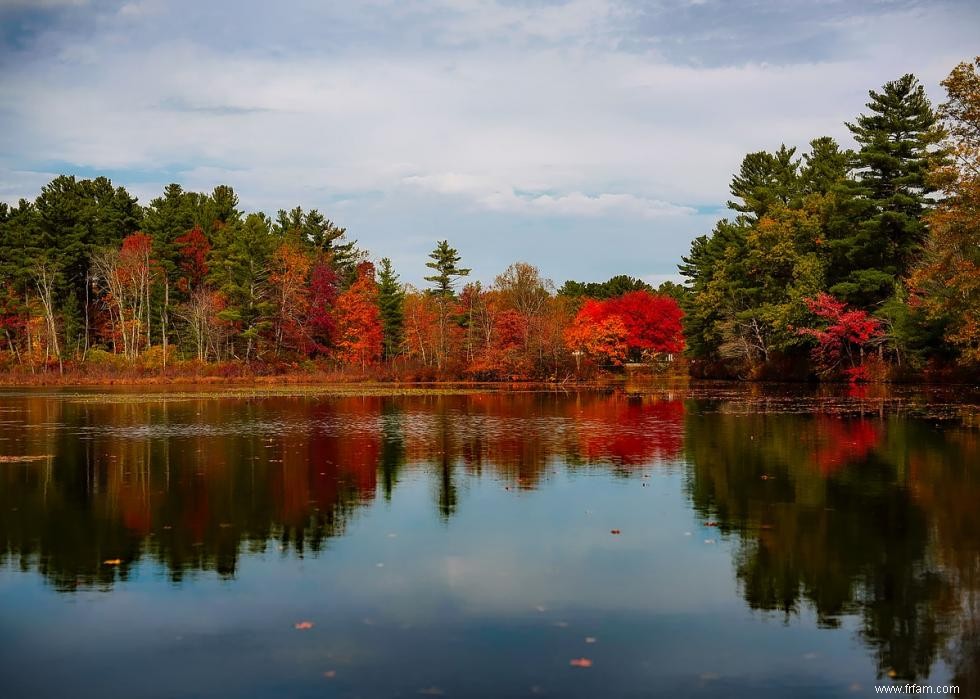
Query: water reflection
(866, 522)
(189, 482)
(873, 518)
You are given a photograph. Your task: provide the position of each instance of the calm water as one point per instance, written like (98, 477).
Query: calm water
(463, 545)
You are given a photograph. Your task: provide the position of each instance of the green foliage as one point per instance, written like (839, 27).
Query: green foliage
(239, 270)
(71, 219)
(878, 231)
(851, 223)
(765, 180)
(391, 301)
(314, 231)
(445, 262)
(615, 286)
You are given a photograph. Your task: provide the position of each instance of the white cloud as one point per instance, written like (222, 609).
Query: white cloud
(423, 118)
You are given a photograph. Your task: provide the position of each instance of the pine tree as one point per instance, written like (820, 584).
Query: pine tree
(825, 167)
(765, 180)
(877, 233)
(445, 262)
(391, 300)
(239, 269)
(315, 231)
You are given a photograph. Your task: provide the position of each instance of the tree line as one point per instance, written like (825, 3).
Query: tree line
(94, 282)
(856, 263)
(841, 263)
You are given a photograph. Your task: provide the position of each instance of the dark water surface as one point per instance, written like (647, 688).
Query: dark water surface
(768, 545)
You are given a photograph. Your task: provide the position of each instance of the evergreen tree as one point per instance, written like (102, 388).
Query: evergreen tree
(764, 180)
(877, 233)
(445, 261)
(76, 217)
(613, 287)
(168, 217)
(19, 236)
(312, 229)
(239, 270)
(391, 300)
(825, 167)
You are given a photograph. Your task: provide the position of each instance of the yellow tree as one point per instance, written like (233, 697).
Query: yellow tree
(947, 281)
(289, 280)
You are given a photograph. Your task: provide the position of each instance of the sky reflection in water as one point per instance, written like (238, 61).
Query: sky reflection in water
(462, 545)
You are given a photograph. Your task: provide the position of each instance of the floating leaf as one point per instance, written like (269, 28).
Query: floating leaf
(112, 562)
(615, 531)
(303, 625)
(580, 662)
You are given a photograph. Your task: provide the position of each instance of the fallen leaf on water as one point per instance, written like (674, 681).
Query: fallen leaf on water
(615, 531)
(303, 625)
(580, 662)
(112, 562)
(711, 524)
(330, 674)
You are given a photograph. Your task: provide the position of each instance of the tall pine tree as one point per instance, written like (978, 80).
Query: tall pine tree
(391, 300)
(879, 229)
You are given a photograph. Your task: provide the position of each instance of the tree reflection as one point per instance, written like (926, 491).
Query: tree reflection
(841, 516)
(869, 518)
(193, 483)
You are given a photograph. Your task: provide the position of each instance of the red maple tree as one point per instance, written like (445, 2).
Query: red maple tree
(635, 323)
(842, 338)
(193, 247)
(359, 330)
(323, 297)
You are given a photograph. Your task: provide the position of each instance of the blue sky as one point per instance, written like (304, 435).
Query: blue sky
(589, 137)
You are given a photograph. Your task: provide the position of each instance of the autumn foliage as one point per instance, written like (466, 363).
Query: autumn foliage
(636, 325)
(359, 334)
(842, 336)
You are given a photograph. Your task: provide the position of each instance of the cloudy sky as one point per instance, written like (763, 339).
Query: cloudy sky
(590, 137)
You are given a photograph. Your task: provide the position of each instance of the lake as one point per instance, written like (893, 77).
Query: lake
(695, 541)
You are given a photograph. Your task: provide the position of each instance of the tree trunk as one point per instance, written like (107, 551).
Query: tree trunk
(164, 321)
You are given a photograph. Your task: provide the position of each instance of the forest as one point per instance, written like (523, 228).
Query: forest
(839, 264)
